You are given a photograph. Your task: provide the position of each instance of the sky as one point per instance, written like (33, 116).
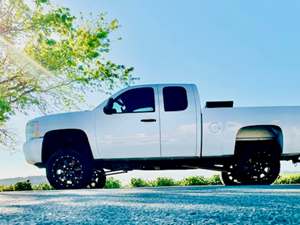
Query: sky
(233, 50)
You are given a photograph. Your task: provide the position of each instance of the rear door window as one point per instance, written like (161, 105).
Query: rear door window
(175, 98)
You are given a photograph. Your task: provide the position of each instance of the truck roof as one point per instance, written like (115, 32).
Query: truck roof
(161, 84)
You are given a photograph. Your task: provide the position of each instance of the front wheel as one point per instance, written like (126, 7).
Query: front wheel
(230, 176)
(67, 169)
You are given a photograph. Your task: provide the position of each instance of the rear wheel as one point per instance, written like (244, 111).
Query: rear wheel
(68, 169)
(98, 179)
(260, 167)
(255, 164)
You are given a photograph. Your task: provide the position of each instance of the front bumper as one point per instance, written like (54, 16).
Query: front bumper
(33, 151)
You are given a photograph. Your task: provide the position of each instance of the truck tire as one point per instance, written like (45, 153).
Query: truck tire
(229, 177)
(255, 164)
(98, 180)
(261, 166)
(67, 169)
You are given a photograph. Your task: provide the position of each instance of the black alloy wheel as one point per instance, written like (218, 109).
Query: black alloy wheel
(255, 164)
(68, 169)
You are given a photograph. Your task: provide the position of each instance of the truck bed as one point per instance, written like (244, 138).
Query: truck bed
(221, 127)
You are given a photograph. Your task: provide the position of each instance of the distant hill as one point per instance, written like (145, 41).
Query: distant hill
(33, 180)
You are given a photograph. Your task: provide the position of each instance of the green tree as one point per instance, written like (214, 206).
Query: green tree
(49, 57)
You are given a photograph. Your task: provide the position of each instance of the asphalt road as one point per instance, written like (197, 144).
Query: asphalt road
(171, 205)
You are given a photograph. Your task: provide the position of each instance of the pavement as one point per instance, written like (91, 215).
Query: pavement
(164, 205)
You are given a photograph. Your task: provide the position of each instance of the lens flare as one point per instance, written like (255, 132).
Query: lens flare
(21, 59)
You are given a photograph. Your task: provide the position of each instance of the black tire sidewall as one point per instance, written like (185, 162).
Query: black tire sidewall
(226, 180)
(101, 182)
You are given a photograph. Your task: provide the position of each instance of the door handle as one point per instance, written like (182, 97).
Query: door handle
(148, 120)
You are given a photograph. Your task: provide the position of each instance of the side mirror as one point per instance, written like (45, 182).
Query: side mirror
(108, 108)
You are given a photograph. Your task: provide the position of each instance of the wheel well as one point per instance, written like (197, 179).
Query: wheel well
(63, 139)
(261, 134)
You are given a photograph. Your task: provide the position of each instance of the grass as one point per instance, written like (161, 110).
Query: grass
(288, 179)
(25, 186)
(165, 181)
(112, 183)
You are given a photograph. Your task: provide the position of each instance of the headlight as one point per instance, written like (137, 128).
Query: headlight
(33, 130)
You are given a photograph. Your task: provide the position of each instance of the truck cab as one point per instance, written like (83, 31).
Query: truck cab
(152, 121)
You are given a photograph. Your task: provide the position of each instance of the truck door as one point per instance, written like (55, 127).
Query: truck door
(132, 131)
(178, 122)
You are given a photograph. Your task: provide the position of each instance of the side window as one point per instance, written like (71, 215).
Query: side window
(175, 98)
(138, 100)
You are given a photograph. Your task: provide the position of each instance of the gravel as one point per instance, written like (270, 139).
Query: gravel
(165, 205)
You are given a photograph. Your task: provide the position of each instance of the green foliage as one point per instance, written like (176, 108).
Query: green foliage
(39, 187)
(214, 180)
(112, 183)
(194, 180)
(4, 109)
(40, 2)
(138, 182)
(188, 181)
(50, 58)
(165, 181)
(288, 179)
(7, 188)
(23, 186)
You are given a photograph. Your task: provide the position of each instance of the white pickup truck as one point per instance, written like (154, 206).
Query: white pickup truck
(162, 127)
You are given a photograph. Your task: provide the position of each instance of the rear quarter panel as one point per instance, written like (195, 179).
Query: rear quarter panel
(221, 125)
